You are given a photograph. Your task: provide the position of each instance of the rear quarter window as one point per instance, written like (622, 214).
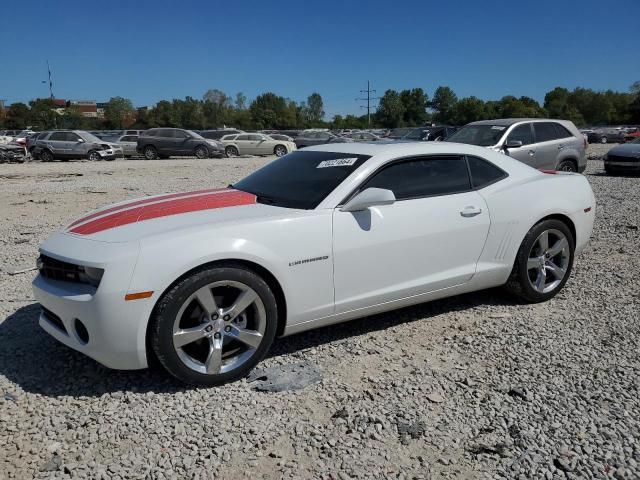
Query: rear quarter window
(561, 131)
(484, 173)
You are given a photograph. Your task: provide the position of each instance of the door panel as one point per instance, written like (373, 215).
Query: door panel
(410, 247)
(528, 152)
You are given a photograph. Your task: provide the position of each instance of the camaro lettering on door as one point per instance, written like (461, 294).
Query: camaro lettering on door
(308, 260)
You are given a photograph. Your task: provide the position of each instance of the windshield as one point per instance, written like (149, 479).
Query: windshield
(300, 179)
(416, 134)
(195, 135)
(481, 135)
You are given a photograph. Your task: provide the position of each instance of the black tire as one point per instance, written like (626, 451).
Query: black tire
(567, 166)
(519, 283)
(165, 312)
(280, 151)
(603, 139)
(202, 152)
(231, 151)
(46, 156)
(150, 152)
(94, 156)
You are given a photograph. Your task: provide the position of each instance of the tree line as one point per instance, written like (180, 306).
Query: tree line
(271, 111)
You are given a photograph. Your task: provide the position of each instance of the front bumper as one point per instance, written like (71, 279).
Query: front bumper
(623, 164)
(116, 328)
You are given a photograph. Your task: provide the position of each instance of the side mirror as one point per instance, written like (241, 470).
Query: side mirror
(513, 144)
(370, 197)
(80, 140)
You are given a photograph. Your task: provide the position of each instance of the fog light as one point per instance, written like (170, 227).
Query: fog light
(81, 331)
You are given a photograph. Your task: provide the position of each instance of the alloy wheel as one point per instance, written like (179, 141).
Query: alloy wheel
(548, 260)
(219, 327)
(280, 151)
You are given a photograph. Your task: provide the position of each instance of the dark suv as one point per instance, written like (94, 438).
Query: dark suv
(164, 142)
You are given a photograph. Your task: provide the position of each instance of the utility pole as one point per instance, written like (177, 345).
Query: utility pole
(369, 98)
(50, 82)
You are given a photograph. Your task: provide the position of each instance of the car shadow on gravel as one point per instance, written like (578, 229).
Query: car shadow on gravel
(37, 363)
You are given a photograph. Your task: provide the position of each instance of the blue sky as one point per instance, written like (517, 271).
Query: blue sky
(161, 49)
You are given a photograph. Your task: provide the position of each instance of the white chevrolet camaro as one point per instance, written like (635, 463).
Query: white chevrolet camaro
(206, 280)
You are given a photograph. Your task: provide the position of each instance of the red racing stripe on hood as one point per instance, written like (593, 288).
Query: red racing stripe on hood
(222, 199)
(144, 201)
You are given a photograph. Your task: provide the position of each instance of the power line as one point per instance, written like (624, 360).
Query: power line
(369, 98)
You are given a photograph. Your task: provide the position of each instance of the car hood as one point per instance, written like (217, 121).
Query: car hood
(136, 219)
(626, 150)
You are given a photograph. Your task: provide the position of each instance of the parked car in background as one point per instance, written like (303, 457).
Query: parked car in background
(364, 137)
(128, 143)
(309, 138)
(279, 136)
(219, 133)
(606, 135)
(430, 134)
(623, 158)
(398, 133)
(631, 134)
(255, 144)
(541, 143)
(165, 142)
(70, 144)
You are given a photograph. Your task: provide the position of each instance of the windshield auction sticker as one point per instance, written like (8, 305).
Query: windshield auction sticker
(338, 162)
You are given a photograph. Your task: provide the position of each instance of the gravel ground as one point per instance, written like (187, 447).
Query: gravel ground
(475, 386)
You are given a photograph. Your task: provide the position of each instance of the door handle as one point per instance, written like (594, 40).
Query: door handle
(470, 211)
(532, 153)
(560, 147)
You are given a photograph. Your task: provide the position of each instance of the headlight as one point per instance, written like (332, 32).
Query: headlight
(90, 275)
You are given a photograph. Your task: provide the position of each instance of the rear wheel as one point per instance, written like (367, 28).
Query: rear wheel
(603, 139)
(202, 152)
(231, 151)
(280, 150)
(214, 326)
(544, 261)
(567, 166)
(150, 152)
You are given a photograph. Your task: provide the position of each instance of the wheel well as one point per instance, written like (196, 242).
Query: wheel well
(266, 275)
(564, 219)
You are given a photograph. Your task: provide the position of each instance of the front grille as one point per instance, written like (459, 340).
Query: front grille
(53, 319)
(59, 270)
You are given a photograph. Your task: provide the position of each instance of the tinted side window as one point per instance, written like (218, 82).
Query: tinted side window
(423, 177)
(561, 131)
(545, 131)
(522, 133)
(72, 137)
(243, 137)
(129, 138)
(255, 137)
(164, 132)
(58, 136)
(483, 173)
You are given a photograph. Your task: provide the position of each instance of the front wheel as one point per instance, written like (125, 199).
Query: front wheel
(94, 156)
(280, 150)
(46, 156)
(150, 153)
(603, 139)
(543, 263)
(214, 326)
(202, 152)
